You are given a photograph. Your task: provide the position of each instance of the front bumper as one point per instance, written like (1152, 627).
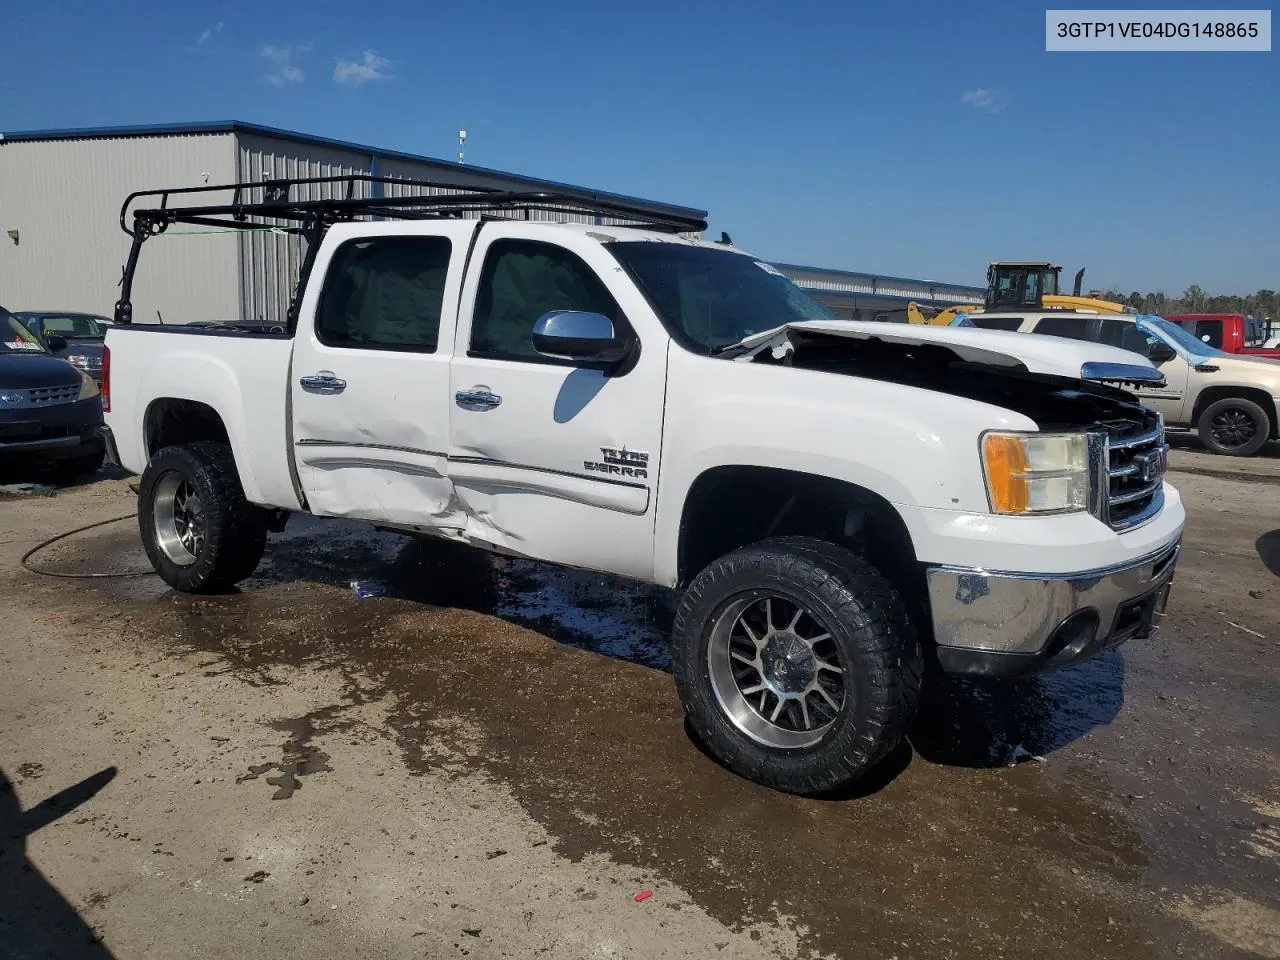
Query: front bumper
(52, 433)
(1015, 624)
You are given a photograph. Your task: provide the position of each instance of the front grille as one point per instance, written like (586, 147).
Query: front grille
(1136, 459)
(49, 396)
(29, 430)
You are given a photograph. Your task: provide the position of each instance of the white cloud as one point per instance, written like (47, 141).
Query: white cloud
(207, 35)
(355, 72)
(284, 68)
(984, 98)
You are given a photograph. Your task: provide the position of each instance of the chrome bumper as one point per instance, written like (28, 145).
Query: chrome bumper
(1012, 624)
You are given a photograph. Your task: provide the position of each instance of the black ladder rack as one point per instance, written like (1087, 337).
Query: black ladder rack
(283, 200)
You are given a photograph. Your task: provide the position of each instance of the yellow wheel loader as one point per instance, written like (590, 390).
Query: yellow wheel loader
(1020, 285)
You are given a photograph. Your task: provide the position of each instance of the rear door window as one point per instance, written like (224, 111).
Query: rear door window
(385, 294)
(1210, 332)
(1206, 331)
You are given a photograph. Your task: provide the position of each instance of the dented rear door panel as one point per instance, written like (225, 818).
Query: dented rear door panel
(371, 417)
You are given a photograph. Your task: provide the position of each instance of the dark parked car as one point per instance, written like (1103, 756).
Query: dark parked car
(75, 337)
(50, 412)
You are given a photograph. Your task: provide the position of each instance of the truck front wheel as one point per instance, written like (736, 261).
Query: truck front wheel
(797, 664)
(1234, 427)
(199, 531)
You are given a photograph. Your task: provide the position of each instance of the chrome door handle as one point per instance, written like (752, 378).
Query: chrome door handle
(325, 384)
(477, 399)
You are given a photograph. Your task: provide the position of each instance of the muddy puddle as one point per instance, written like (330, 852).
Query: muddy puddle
(1016, 823)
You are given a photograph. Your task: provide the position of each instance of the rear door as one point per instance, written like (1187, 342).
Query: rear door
(554, 460)
(370, 373)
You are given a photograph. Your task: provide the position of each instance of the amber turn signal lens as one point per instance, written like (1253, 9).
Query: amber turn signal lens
(1006, 460)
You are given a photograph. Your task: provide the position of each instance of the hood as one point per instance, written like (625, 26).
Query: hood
(1262, 372)
(20, 371)
(1243, 361)
(1056, 356)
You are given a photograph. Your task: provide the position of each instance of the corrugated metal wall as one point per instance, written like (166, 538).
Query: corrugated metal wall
(63, 198)
(818, 281)
(269, 262)
(402, 168)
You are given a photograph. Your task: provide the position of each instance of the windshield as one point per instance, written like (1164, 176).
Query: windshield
(1172, 333)
(73, 326)
(708, 298)
(15, 338)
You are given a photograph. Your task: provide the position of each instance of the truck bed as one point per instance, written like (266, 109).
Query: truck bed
(240, 374)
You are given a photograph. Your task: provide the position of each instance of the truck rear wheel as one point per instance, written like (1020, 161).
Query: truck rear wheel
(1234, 427)
(797, 664)
(199, 531)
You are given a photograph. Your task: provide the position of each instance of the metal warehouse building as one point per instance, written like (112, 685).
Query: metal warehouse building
(61, 246)
(866, 296)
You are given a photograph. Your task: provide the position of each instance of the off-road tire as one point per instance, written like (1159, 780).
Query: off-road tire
(876, 642)
(235, 531)
(1241, 407)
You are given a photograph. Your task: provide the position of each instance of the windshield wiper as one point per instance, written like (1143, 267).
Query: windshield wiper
(727, 349)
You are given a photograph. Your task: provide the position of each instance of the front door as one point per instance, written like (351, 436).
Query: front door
(370, 378)
(1170, 400)
(552, 460)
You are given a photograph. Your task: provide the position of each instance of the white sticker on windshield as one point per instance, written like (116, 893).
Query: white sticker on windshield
(769, 268)
(23, 345)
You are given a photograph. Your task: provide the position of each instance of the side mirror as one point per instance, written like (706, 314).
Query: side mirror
(579, 335)
(56, 342)
(1160, 352)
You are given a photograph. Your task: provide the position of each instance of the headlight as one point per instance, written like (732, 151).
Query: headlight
(88, 388)
(1036, 472)
(79, 360)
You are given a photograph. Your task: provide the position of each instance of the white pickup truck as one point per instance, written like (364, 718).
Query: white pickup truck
(840, 502)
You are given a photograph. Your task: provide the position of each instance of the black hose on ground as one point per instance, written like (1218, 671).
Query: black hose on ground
(79, 576)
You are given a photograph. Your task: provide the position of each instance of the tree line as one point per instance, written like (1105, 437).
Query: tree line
(1264, 303)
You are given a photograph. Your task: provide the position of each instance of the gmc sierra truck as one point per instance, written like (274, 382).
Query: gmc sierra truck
(839, 502)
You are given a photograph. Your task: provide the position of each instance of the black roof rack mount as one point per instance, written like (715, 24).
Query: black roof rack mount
(148, 213)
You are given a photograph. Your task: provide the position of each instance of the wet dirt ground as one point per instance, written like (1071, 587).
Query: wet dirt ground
(489, 761)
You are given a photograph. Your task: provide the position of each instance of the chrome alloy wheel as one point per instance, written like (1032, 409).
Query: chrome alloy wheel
(775, 670)
(179, 519)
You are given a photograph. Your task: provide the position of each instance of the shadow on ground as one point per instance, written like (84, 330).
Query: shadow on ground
(970, 722)
(36, 921)
(591, 611)
(1268, 547)
(39, 477)
(962, 722)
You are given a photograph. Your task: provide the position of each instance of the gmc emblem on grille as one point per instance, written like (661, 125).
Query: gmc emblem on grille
(1152, 464)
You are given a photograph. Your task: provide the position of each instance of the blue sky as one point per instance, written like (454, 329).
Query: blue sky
(916, 139)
